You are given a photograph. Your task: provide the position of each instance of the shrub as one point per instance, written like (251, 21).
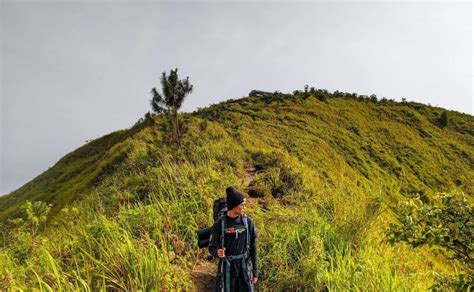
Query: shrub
(35, 213)
(446, 223)
(443, 119)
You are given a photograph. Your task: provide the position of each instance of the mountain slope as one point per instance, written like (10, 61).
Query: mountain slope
(329, 170)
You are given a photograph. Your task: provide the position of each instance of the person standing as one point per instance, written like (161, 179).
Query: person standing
(233, 241)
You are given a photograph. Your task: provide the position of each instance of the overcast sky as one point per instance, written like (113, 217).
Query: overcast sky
(74, 71)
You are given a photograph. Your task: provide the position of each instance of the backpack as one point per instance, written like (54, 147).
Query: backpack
(219, 210)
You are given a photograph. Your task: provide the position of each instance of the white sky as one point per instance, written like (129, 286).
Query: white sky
(75, 70)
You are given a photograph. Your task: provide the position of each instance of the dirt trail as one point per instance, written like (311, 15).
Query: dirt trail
(204, 275)
(205, 271)
(249, 177)
(247, 182)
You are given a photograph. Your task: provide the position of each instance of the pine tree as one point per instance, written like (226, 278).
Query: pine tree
(169, 102)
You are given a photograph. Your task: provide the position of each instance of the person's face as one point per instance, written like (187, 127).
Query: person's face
(239, 209)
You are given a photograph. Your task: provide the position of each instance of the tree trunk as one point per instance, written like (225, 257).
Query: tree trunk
(177, 128)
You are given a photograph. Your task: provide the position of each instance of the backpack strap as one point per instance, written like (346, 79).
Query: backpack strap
(222, 230)
(225, 285)
(246, 224)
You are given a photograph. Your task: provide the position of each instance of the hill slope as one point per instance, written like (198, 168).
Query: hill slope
(329, 170)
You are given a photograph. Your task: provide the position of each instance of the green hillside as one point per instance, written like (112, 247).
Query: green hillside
(330, 170)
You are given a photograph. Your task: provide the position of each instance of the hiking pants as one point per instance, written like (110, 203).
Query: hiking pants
(237, 278)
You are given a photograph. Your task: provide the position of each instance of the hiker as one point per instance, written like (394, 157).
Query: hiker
(233, 241)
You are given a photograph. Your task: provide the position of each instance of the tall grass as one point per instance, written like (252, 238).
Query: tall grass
(328, 175)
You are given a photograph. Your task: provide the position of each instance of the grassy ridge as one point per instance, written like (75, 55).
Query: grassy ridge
(126, 206)
(72, 174)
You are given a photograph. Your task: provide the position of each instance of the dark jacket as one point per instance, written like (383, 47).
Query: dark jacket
(235, 244)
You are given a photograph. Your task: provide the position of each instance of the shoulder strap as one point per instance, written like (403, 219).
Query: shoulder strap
(247, 231)
(222, 230)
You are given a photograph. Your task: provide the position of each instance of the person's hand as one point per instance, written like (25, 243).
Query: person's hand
(221, 252)
(254, 280)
